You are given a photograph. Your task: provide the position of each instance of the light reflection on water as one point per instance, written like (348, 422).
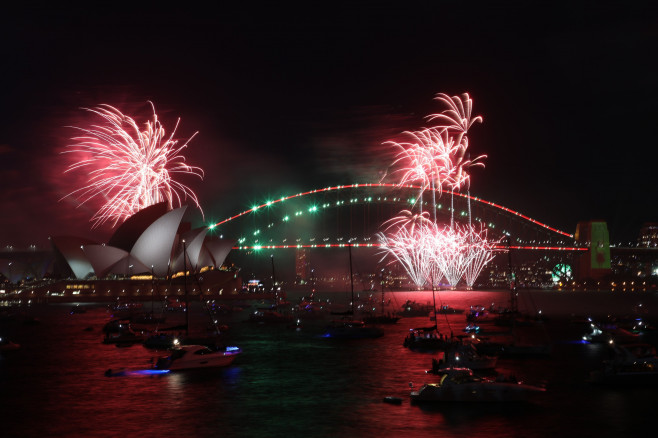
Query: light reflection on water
(293, 383)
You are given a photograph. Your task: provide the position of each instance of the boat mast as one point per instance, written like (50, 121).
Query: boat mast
(276, 296)
(436, 316)
(187, 309)
(512, 280)
(349, 247)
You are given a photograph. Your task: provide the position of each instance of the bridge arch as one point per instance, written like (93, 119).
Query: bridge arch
(356, 212)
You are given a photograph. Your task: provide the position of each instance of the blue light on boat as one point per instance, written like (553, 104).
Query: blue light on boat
(232, 348)
(149, 372)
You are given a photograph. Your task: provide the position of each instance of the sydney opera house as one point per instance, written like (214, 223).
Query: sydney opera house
(152, 252)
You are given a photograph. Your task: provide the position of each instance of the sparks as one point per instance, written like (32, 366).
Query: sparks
(128, 168)
(435, 158)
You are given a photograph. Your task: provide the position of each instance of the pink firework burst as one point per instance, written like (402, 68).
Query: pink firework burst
(128, 168)
(479, 252)
(427, 158)
(457, 117)
(408, 241)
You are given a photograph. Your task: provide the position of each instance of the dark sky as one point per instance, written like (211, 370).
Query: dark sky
(300, 96)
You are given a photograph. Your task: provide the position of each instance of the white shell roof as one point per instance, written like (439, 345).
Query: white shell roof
(155, 246)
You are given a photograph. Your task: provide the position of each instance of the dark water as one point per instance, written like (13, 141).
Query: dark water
(291, 383)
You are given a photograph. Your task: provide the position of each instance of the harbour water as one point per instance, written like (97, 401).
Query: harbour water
(295, 383)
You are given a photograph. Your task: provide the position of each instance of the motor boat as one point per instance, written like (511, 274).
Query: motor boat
(462, 356)
(351, 329)
(412, 308)
(197, 356)
(476, 313)
(123, 338)
(447, 310)
(161, 340)
(381, 319)
(7, 345)
(632, 364)
(460, 385)
(266, 316)
(427, 339)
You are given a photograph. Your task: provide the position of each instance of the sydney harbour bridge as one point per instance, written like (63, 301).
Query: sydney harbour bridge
(303, 233)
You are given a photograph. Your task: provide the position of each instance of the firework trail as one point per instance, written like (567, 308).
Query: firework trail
(407, 240)
(429, 253)
(128, 168)
(436, 158)
(426, 158)
(458, 117)
(449, 253)
(480, 252)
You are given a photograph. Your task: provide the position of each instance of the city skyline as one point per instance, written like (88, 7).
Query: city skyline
(287, 99)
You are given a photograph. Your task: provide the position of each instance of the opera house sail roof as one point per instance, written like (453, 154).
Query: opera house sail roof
(151, 241)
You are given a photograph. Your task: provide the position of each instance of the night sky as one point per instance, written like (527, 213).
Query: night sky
(292, 97)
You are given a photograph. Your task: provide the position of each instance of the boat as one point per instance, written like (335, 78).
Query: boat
(269, 316)
(123, 338)
(464, 356)
(412, 309)
(510, 318)
(609, 332)
(161, 341)
(77, 309)
(7, 345)
(391, 399)
(116, 325)
(382, 318)
(447, 310)
(147, 318)
(427, 339)
(632, 364)
(461, 385)
(187, 357)
(348, 327)
(476, 313)
(351, 329)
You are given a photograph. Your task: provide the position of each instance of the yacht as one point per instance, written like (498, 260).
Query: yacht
(197, 356)
(460, 385)
(632, 364)
(7, 345)
(463, 356)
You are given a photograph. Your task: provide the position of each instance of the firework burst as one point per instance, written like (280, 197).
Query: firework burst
(128, 168)
(479, 251)
(458, 117)
(407, 240)
(436, 158)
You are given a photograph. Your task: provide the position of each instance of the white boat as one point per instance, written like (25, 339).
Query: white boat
(460, 385)
(197, 356)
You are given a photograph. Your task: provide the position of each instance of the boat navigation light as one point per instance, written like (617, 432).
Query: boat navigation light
(176, 341)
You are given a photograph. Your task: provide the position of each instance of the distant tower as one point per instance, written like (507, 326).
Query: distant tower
(301, 266)
(595, 263)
